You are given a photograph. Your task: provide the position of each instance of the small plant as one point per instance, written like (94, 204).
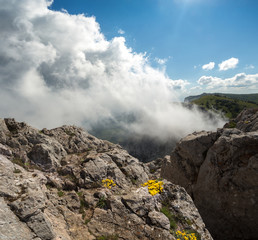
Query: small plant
(154, 186)
(19, 162)
(102, 203)
(108, 237)
(16, 170)
(86, 221)
(60, 193)
(187, 235)
(83, 205)
(231, 124)
(69, 133)
(165, 210)
(134, 181)
(48, 186)
(108, 183)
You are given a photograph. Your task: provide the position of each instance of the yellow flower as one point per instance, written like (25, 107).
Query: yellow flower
(108, 183)
(154, 186)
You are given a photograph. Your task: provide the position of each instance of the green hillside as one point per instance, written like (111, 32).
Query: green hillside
(253, 98)
(231, 107)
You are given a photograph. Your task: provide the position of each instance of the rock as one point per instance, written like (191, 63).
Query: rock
(183, 165)
(159, 219)
(47, 156)
(41, 226)
(56, 191)
(247, 120)
(4, 150)
(229, 175)
(219, 170)
(11, 228)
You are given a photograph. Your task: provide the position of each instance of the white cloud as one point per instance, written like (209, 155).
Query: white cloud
(240, 80)
(58, 68)
(120, 31)
(228, 64)
(208, 66)
(178, 84)
(249, 66)
(161, 61)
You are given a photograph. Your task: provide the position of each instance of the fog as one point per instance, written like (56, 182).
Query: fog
(57, 68)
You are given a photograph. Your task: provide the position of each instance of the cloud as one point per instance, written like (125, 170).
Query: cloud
(249, 66)
(120, 31)
(58, 68)
(208, 66)
(228, 64)
(178, 84)
(161, 61)
(240, 80)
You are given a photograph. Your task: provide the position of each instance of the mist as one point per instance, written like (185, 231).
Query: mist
(57, 68)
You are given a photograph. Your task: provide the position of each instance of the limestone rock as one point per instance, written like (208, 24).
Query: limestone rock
(51, 189)
(159, 219)
(219, 170)
(11, 228)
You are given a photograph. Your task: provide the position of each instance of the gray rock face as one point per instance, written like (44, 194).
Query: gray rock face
(11, 228)
(185, 161)
(51, 189)
(219, 170)
(159, 219)
(247, 120)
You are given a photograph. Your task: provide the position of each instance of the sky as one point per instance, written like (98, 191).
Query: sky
(210, 45)
(127, 62)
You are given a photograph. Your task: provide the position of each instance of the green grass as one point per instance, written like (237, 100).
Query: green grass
(16, 170)
(108, 237)
(229, 106)
(165, 210)
(102, 203)
(60, 193)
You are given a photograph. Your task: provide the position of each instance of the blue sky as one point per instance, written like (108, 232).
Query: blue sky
(187, 34)
(86, 62)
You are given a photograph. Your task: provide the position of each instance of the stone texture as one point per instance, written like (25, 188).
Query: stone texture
(51, 189)
(219, 170)
(11, 228)
(159, 219)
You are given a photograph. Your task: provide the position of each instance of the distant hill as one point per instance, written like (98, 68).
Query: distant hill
(230, 104)
(252, 98)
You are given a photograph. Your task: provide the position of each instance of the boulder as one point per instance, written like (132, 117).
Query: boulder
(219, 171)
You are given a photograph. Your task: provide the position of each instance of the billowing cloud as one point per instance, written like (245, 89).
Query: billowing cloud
(228, 64)
(240, 80)
(58, 68)
(208, 66)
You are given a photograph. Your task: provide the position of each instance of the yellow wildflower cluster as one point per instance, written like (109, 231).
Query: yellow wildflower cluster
(154, 186)
(108, 183)
(185, 236)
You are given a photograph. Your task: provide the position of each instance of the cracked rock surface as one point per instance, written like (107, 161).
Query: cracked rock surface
(51, 188)
(220, 171)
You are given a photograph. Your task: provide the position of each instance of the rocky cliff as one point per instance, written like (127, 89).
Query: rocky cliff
(51, 187)
(220, 171)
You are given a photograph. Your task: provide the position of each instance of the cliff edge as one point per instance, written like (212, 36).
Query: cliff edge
(220, 171)
(56, 184)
